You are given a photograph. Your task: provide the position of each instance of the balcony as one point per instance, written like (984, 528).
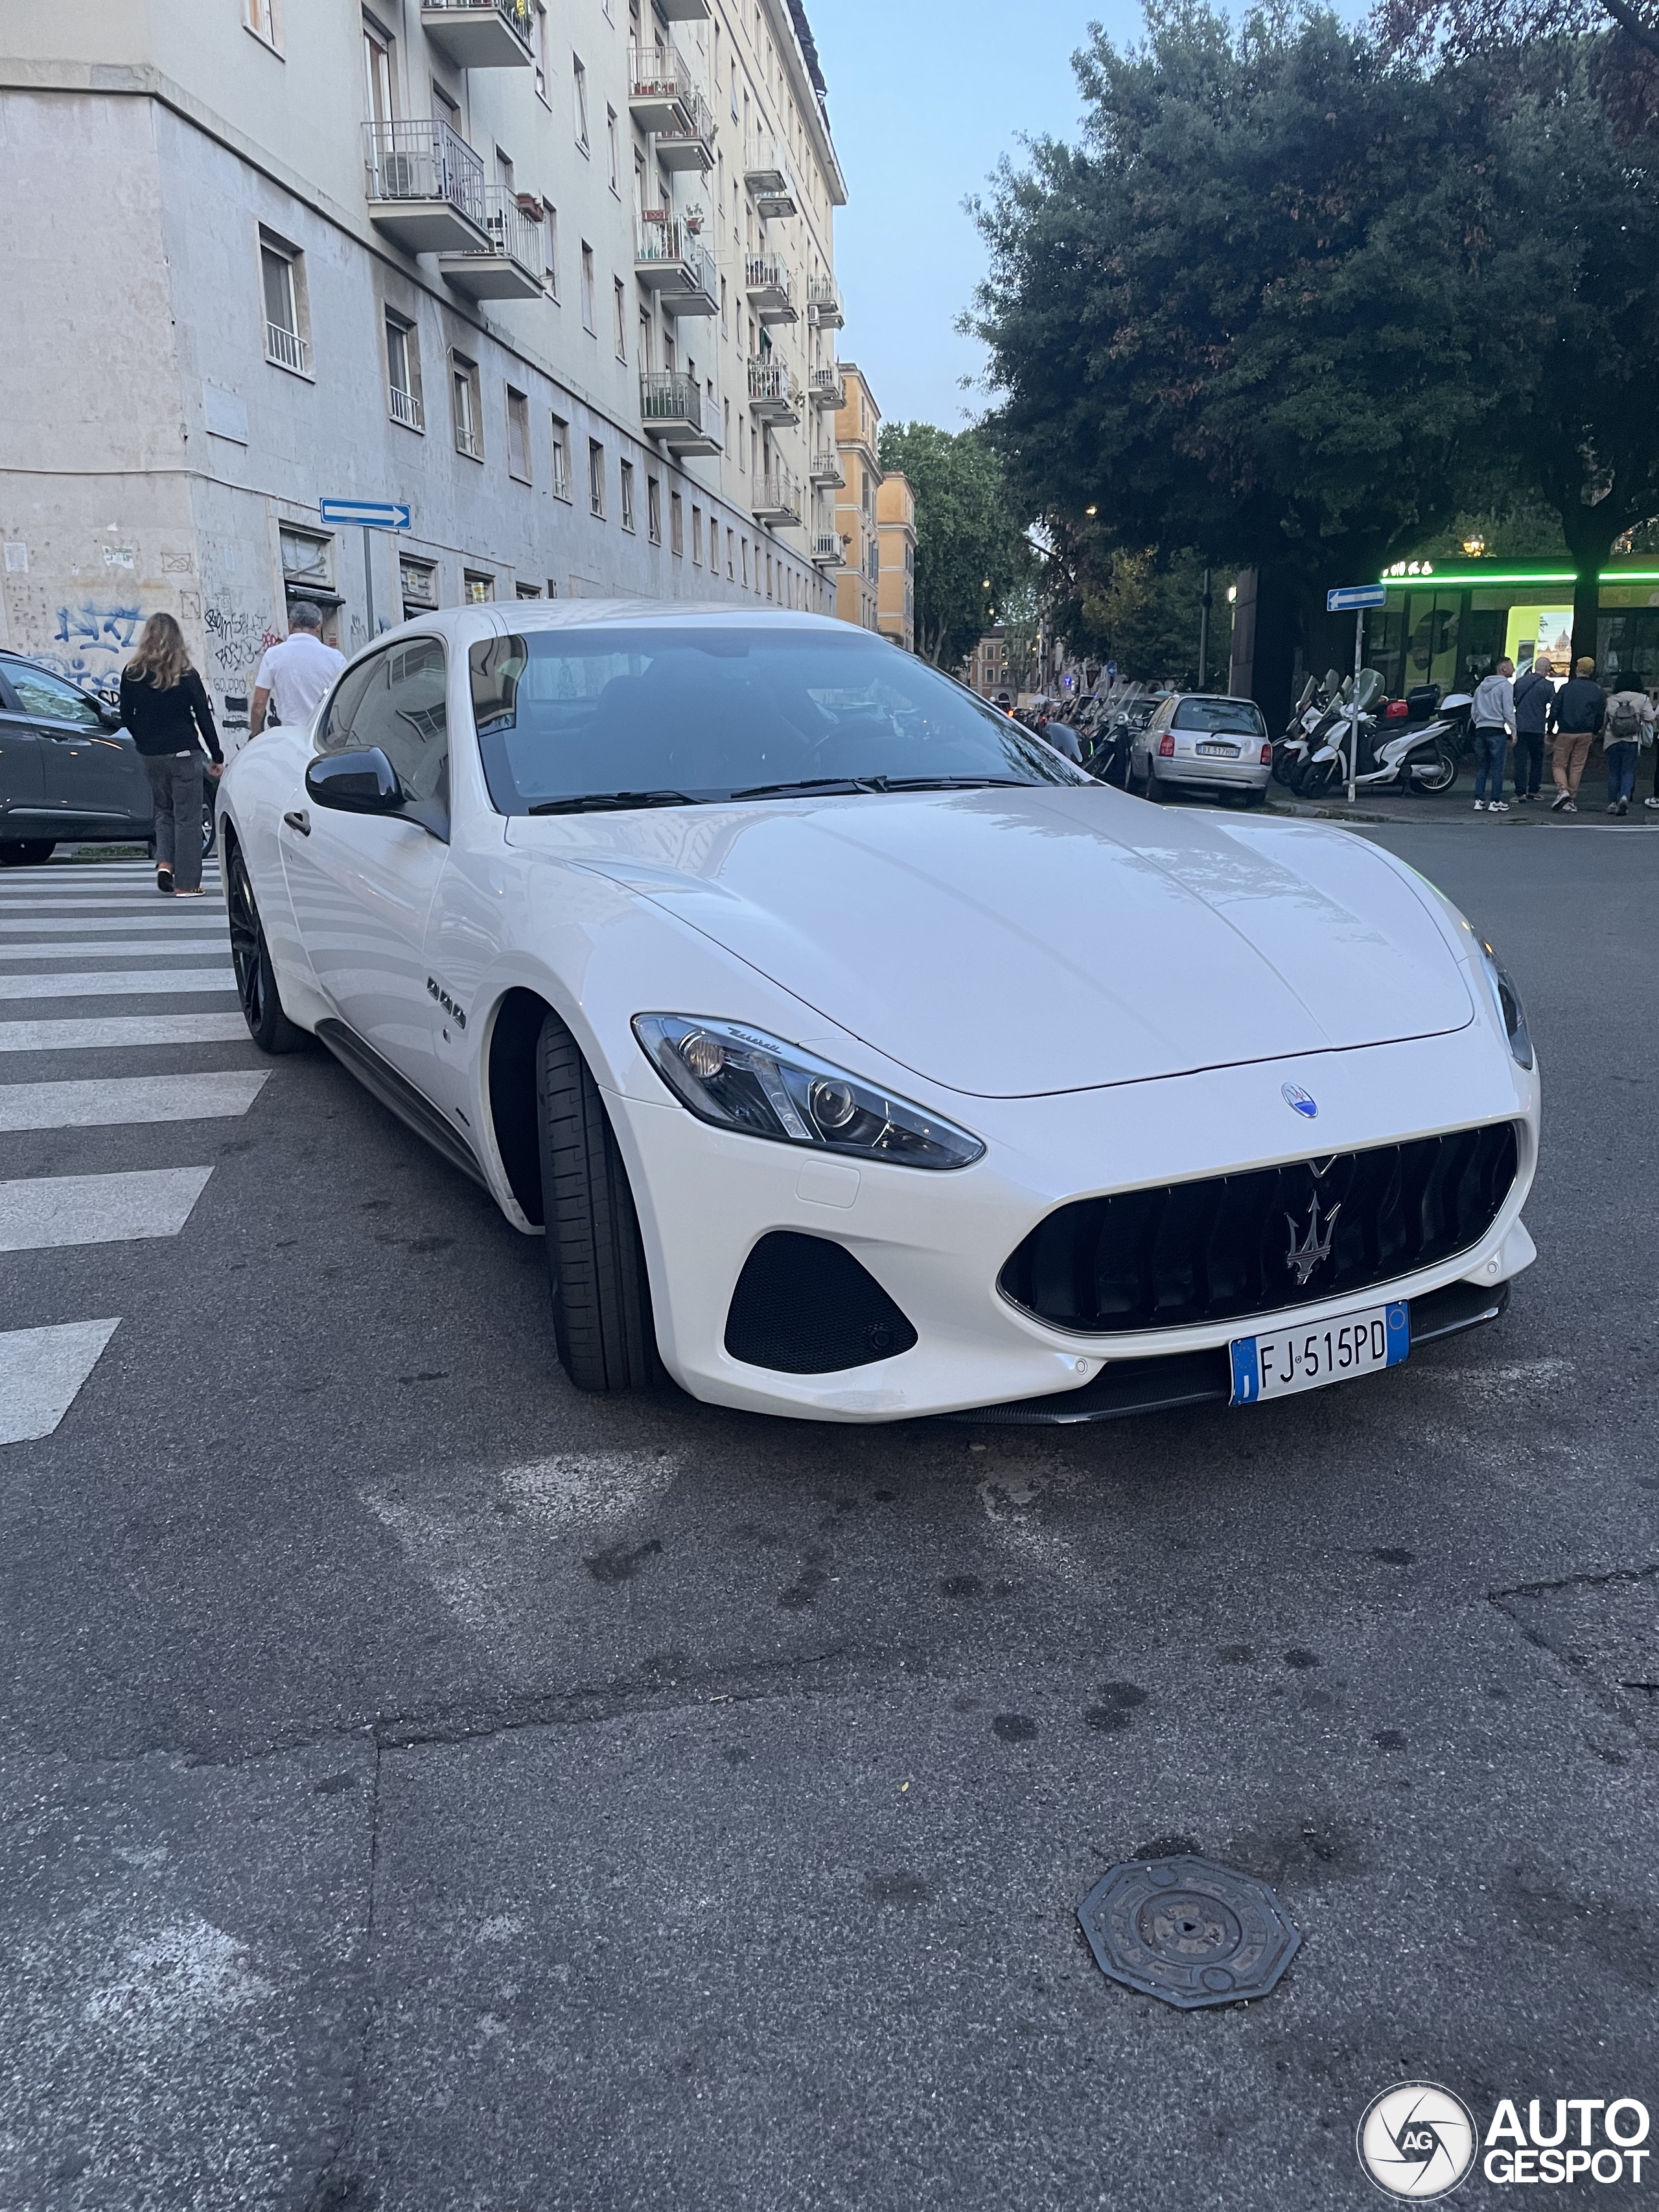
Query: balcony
(480, 33)
(671, 408)
(682, 11)
(823, 302)
(777, 496)
(828, 551)
(404, 407)
(287, 348)
(513, 266)
(693, 146)
(827, 468)
(767, 177)
(770, 396)
(827, 388)
(660, 89)
(425, 187)
(766, 287)
(672, 262)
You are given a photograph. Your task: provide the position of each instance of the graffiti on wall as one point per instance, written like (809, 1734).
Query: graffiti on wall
(237, 641)
(94, 640)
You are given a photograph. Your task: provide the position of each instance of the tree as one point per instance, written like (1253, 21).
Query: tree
(970, 549)
(1235, 319)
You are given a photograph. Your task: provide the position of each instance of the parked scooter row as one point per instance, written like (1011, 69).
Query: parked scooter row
(1415, 744)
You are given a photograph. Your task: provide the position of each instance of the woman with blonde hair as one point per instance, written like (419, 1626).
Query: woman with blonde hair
(164, 703)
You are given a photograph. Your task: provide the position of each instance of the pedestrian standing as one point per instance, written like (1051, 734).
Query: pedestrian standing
(1534, 688)
(1493, 716)
(1576, 713)
(164, 704)
(298, 674)
(1629, 729)
(1062, 738)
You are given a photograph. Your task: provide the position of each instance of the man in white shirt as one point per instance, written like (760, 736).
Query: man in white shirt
(298, 675)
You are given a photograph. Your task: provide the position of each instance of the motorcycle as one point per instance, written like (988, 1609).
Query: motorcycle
(1422, 758)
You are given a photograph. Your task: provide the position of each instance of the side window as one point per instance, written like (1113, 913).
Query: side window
(402, 708)
(49, 698)
(336, 734)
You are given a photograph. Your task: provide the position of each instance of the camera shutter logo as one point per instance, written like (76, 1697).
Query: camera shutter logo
(1417, 2141)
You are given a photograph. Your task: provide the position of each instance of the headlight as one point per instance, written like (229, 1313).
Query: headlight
(741, 1079)
(1510, 1011)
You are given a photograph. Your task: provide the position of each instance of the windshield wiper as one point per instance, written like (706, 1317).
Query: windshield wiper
(601, 802)
(948, 782)
(832, 784)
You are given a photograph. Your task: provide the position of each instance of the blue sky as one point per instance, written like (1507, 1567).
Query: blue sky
(924, 97)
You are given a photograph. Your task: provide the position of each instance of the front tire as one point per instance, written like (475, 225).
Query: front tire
(603, 1327)
(256, 979)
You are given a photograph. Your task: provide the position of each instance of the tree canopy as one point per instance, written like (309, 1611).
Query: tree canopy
(970, 547)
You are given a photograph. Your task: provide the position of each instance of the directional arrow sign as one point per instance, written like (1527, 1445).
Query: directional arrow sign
(372, 514)
(1347, 598)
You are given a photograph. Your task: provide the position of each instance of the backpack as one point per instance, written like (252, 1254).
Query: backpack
(1625, 723)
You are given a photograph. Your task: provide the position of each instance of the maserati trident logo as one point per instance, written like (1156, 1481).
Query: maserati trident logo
(1300, 1101)
(1312, 1250)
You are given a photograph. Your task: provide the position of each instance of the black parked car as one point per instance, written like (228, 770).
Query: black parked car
(68, 770)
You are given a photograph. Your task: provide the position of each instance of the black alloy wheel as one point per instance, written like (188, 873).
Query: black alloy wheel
(602, 1329)
(26, 851)
(256, 980)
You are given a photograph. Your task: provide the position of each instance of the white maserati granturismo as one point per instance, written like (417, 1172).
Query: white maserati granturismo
(858, 1057)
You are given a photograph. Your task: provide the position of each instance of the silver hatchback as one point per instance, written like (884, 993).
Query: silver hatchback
(1203, 741)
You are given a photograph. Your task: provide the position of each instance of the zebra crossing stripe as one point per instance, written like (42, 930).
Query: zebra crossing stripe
(109, 1101)
(41, 1372)
(123, 983)
(114, 949)
(43, 1212)
(97, 1034)
(53, 924)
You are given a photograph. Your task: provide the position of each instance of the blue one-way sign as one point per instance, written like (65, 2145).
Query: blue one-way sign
(372, 514)
(1347, 598)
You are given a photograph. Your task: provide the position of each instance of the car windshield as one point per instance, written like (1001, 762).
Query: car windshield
(677, 715)
(1232, 718)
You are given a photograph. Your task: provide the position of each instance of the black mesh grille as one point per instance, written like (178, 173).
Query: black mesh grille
(1182, 1253)
(805, 1306)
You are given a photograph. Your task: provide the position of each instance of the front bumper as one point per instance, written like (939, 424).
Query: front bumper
(936, 1242)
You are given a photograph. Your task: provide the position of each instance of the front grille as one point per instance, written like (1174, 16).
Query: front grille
(1180, 1254)
(805, 1306)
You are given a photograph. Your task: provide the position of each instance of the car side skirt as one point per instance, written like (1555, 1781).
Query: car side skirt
(397, 1093)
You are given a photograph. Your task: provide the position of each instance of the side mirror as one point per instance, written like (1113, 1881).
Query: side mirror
(108, 715)
(354, 783)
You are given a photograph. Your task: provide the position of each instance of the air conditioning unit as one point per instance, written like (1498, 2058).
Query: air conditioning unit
(403, 178)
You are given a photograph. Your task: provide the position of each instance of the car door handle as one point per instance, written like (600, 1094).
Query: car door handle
(297, 819)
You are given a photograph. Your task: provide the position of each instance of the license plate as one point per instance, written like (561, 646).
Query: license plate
(1305, 1359)
(1228, 752)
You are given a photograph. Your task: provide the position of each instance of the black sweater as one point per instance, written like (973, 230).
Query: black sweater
(169, 722)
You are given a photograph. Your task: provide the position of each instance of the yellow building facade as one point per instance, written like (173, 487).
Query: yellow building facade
(857, 425)
(895, 533)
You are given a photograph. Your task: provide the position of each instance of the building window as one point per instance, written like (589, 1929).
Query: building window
(653, 509)
(526, 591)
(596, 478)
(265, 19)
(307, 562)
(379, 103)
(626, 516)
(676, 524)
(723, 329)
(478, 587)
(743, 543)
(561, 450)
(588, 323)
(518, 435)
(539, 49)
(580, 76)
(402, 372)
(730, 557)
(552, 250)
(613, 151)
(621, 321)
(697, 537)
(287, 321)
(464, 399)
(418, 582)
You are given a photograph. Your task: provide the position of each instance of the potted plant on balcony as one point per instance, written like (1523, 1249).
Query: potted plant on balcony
(693, 219)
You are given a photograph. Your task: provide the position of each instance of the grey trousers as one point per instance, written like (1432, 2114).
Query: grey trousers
(175, 783)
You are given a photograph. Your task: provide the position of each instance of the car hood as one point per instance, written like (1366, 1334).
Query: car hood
(1009, 943)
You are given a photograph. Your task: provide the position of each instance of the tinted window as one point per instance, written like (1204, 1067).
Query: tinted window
(51, 698)
(561, 713)
(396, 701)
(1232, 718)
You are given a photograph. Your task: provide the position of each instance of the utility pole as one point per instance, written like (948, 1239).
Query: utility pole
(1204, 636)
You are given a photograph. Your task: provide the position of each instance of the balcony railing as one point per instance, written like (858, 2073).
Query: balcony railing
(287, 348)
(660, 86)
(405, 408)
(766, 283)
(767, 175)
(667, 396)
(672, 260)
(769, 380)
(512, 264)
(827, 388)
(824, 301)
(828, 550)
(422, 160)
(826, 467)
(777, 496)
(688, 142)
(481, 34)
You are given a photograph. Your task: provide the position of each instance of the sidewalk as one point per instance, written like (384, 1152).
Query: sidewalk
(1457, 805)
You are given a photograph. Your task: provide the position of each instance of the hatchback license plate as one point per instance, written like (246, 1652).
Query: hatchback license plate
(1227, 752)
(1304, 1358)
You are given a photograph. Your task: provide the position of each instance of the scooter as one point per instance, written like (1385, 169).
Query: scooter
(1309, 725)
(1421, 760)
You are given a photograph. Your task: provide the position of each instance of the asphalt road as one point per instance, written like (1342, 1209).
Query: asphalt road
(423, 1787)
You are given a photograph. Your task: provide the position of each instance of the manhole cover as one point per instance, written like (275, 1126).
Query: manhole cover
(1187, 1931)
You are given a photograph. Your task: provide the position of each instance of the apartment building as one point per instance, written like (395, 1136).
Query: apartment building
(858, 424)
(558, 279)
(895, 536)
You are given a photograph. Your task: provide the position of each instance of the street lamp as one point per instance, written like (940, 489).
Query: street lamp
(1474, 545)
